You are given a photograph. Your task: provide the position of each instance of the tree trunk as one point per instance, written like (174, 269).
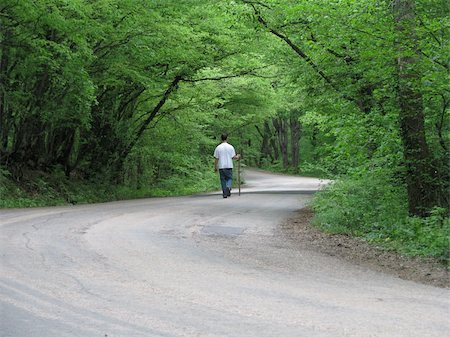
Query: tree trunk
(412, 120)
(3, 79)
(295, 138)
(314, 141)
(282, 132)
(67, 150)
(265, 151)
(272, 140)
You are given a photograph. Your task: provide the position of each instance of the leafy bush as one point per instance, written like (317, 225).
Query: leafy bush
(372, 205)
(428, 236)
(360, 204)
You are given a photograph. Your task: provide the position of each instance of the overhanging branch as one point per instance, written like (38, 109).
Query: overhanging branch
(291, 44)
(219, 78)
(298, 51)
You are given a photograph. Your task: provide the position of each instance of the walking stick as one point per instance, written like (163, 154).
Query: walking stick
(239, 175)
(239, 161)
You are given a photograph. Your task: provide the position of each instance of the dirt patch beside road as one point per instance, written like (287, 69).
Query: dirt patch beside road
(355, 250)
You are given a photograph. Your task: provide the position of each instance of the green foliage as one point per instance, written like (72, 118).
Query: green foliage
(188, 184)
(339, 61)
(115, 99)
(42, 189)
(34, 189)
(428, 236)
(83, 81)
(373, 206)
(361, 203)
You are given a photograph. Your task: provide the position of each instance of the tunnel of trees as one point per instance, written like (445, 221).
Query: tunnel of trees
(133, 92)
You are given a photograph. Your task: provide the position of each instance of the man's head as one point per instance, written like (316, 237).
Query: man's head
(224, 137)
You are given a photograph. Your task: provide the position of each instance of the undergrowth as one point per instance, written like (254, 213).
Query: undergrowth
(37, 188)
(305, 170)
(373, 206)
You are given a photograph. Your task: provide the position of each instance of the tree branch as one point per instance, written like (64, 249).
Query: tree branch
(297, 50)
(429, 31)
(420, 51)
(172, 86)
(434, 60)
(219, 78)
(252, 3)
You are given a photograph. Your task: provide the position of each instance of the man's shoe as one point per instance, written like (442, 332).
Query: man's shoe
(224, 196)
(228, 192)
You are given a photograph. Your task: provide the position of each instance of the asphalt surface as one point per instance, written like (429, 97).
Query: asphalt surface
(196, 266)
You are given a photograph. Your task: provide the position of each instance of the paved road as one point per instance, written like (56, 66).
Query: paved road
(196, 266)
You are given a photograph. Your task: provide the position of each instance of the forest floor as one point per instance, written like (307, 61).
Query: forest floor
(355, 250)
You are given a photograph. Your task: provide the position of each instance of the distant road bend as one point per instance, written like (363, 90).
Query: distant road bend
(196, 266)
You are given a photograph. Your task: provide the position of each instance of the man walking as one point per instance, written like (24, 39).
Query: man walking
(224, 154)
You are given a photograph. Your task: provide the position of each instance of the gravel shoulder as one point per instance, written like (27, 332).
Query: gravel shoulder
(355, 250)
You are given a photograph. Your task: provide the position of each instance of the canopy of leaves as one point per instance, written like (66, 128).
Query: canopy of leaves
(137, 89)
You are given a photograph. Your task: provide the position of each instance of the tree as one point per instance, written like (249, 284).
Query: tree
(81, 83)
(46, 92)
(419, 179)
(357, 71)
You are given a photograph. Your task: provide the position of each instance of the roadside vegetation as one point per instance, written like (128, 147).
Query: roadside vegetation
(375, 209)
(37, 189)
(109, 100)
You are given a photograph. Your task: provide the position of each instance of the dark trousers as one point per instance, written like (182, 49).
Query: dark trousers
(226, 180)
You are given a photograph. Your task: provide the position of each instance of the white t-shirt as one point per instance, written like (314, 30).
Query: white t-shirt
(225, 153)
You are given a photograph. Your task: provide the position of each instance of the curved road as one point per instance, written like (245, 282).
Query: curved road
(196, 266)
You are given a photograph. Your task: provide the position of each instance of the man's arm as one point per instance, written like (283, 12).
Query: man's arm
(237, 157)
(216, 161)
